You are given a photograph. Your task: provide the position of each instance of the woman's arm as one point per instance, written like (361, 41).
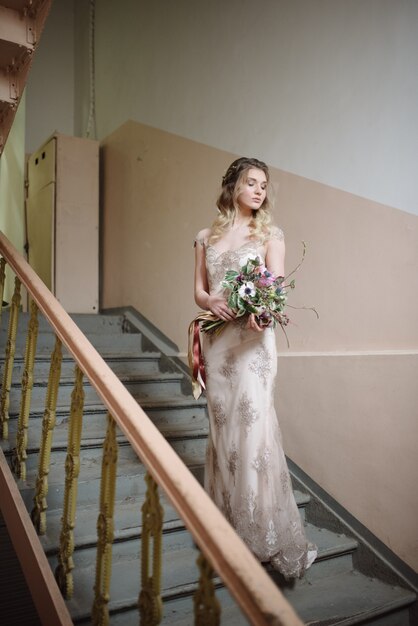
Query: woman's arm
(201, 285)
(215, 303)
(275, 255)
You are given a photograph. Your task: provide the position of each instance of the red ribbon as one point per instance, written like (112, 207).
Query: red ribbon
(194, 352)
(198, 362)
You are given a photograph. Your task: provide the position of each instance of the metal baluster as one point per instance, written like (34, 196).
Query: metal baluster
(105, 526)
(207, 610)
(38, 514)
(63, 572)
(2, 281)
(19, 453)
(8, 363)
(150, 603)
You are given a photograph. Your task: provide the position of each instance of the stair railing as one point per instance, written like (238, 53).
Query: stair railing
(221, 550)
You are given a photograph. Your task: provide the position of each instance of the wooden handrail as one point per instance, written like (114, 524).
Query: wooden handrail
(46, 595)
(259, 598)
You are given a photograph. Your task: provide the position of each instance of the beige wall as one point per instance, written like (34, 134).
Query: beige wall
(346, 387)
(327, 90)
(160, 190)
(351, 422)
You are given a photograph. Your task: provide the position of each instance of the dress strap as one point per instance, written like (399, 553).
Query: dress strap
(276, 233)
(200, 241)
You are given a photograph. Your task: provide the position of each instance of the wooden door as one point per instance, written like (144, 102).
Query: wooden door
(40, 212)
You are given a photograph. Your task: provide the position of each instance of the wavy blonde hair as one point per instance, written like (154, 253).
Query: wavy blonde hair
(227, 202)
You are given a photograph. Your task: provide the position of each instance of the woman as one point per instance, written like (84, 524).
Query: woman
(246, 472)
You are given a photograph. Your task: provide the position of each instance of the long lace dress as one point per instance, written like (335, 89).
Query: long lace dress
(246, 472)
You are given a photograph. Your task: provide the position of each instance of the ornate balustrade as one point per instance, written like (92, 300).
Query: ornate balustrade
(222, 551)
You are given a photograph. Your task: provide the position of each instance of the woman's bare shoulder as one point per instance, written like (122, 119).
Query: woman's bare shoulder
(203, 236)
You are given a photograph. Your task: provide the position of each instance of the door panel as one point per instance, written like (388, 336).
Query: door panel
(40, 225)
(42, 167)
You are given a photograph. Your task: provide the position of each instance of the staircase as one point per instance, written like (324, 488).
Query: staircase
(338, 589)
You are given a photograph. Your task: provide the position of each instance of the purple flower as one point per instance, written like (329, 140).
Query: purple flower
(266, 279)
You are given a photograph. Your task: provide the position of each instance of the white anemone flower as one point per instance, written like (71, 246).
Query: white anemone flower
(247, 291)
(248, 257)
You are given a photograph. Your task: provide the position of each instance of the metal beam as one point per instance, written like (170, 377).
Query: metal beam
(21, 25)
(9, 88)
(17, 27)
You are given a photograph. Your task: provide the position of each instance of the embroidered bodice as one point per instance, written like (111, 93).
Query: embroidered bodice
(217, 263)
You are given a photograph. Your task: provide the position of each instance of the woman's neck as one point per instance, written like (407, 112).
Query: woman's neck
(242, 218)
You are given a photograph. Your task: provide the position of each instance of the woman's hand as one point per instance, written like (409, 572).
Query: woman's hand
(252, 324)
(219, 307)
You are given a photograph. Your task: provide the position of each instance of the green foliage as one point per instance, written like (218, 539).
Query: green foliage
(255, 290)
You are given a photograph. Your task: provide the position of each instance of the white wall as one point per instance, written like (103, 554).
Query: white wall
(325, 89)
(50, 86)
(82, 69)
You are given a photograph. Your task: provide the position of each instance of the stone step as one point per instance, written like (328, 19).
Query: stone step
(178, 547)
(179, 570)
(340, 547)
(130, 472)
(127, 520)
(173, 416)
(105, 344)
(141, 386)
(87, 323)
(178, 610)
(124, 365)
(350, 599)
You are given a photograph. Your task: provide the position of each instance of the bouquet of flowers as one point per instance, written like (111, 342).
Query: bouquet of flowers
(256, 290)
(251, 290)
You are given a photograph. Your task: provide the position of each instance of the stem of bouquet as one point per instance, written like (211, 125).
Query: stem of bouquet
(300, 263)
(285, 334)
(306, 308)
(213, 327)
(281, 324)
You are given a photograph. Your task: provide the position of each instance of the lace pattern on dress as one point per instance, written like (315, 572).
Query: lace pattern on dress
(232, 461)
(270, 536)
(247, 412)
(262, 463)
(217, 263)
(276, 233)
(218, 414)
(261, 365)
(229, 367)
(246, 472)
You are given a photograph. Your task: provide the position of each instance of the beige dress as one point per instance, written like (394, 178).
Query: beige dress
(246, 472)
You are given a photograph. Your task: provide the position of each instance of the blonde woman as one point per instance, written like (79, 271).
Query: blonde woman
(246, 472)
